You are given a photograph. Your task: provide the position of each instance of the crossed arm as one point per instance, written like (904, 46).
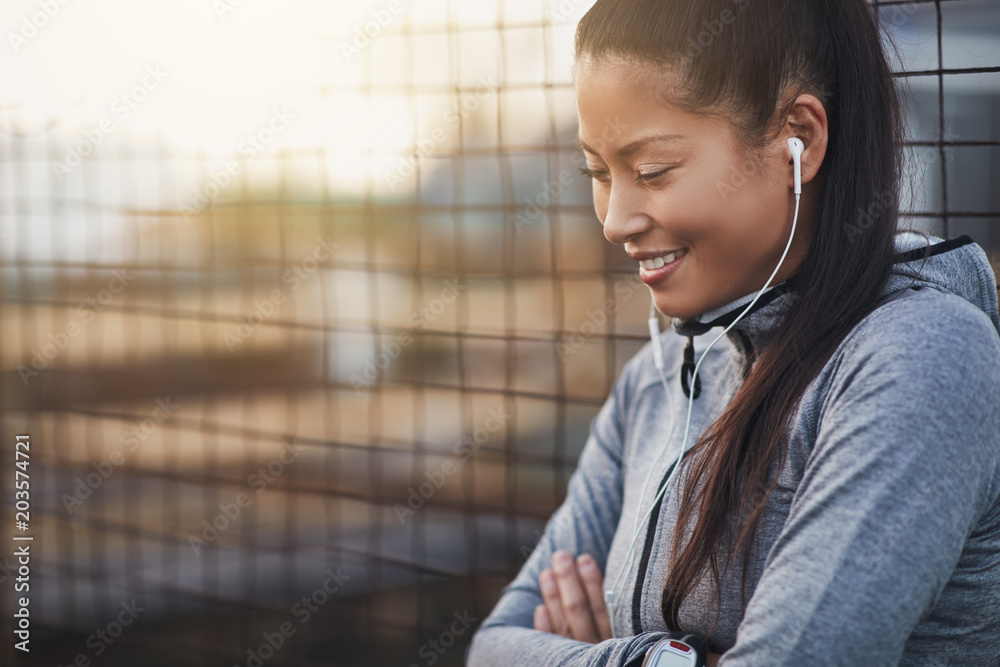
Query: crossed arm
(905, 462)
(574, 607)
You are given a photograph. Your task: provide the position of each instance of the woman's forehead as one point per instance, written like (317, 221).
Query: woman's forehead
(612, 119)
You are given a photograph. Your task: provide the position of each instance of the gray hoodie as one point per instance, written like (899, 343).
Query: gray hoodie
(880, 544)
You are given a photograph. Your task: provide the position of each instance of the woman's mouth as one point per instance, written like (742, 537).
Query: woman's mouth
(654, 271)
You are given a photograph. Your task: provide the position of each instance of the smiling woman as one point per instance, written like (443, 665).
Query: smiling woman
(805, 509)
(669, 201)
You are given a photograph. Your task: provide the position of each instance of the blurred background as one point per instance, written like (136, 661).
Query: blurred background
(306, 310)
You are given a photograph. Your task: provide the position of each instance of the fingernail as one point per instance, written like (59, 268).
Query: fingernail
(563, 561)
(586, 562)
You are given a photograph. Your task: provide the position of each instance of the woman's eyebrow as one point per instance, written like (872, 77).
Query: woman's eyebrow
(626, 151)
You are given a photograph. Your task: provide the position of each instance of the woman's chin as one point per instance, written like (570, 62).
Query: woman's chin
(676, 313)
(673, 309)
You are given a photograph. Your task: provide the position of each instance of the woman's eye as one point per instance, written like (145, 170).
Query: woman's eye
(651, 176)
(595, 174)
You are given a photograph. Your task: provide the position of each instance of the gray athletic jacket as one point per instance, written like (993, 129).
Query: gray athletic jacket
(881, 543)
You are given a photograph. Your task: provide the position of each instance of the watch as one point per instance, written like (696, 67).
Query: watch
(679, 649)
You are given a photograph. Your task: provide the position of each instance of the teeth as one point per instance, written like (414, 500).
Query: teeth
(660, 262)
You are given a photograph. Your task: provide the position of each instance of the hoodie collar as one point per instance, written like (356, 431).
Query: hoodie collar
(957, 266)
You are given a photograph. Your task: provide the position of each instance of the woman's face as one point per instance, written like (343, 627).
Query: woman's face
(670, 184)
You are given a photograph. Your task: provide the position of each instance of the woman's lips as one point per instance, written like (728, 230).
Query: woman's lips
(655, 276)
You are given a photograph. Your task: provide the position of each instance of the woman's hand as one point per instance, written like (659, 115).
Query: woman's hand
(574, 599)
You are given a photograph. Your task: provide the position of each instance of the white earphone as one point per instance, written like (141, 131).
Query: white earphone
(795, 147)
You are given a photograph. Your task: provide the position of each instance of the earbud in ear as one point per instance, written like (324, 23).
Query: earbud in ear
(795, 146)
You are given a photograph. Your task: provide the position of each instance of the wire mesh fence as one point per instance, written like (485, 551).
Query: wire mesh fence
(306, 312)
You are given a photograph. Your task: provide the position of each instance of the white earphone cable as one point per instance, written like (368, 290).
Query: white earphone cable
(609, 594)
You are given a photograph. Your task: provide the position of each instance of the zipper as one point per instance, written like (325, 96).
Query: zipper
(647, 550)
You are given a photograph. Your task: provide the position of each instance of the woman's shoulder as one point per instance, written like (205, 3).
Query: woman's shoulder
(920, 352)
(922, 321)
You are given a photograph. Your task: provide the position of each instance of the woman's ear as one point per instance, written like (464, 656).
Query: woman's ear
(807, 120)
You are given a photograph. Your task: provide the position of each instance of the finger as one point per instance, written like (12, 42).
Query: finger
(542, 621)
(550, 594)
(593, 586)
(575, 606)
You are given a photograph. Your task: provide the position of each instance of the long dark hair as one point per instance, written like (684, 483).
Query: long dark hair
(744, 57)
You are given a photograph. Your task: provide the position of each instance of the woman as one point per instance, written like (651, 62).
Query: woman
(821, 487)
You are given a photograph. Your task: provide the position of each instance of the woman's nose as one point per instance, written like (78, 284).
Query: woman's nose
(625, 216)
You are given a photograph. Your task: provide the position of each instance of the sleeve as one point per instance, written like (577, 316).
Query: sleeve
(585, 523)
(904, 464)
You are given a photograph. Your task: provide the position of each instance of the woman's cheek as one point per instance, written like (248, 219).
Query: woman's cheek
(692, 225)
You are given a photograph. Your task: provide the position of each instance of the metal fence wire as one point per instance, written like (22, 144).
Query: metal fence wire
(305, 352)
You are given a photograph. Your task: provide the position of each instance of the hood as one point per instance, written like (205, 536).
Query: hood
(958, 266)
